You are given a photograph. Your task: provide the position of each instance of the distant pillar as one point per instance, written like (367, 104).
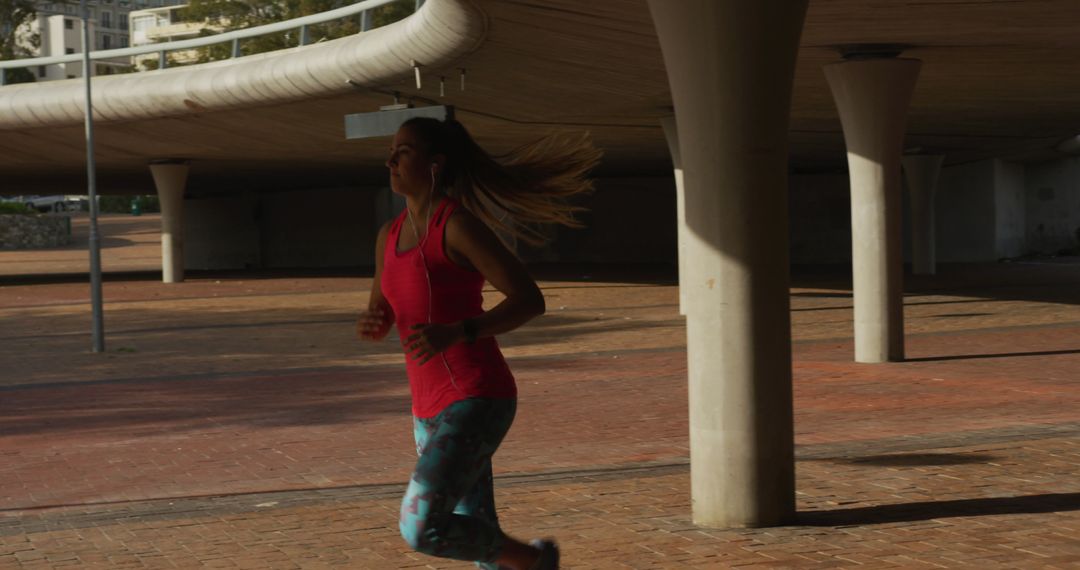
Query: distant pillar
(671, 131)
(731, 66)
(170, 178)
(921, 172)
(872, 96)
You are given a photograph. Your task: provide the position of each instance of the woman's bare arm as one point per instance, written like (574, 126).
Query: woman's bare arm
(375, 322)
(470, 240)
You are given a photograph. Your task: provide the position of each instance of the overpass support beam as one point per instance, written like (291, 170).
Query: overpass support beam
(731, 68)
(671, 132)
(170, 178)
(872, 96)
(921, 172)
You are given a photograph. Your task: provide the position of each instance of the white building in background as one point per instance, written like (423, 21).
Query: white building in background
(160, 25)
(59, 27)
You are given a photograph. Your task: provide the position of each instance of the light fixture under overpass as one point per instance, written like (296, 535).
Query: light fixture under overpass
(386, 121)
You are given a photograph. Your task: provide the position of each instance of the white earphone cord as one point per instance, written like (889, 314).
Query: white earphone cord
(427, 274)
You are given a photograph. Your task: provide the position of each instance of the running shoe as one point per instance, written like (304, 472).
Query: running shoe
(549, 555)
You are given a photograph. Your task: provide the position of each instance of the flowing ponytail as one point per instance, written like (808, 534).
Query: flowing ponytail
(517, 192)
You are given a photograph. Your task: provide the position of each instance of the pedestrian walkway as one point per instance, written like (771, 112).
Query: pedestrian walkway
(234, 422)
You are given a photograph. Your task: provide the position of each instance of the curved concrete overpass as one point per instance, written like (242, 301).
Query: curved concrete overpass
(439, 35)
(240, 114)
(998, 80)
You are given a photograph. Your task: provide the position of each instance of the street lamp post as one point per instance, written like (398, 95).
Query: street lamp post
(98, 326)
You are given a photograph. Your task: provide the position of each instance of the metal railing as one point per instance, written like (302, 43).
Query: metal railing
(364, 9)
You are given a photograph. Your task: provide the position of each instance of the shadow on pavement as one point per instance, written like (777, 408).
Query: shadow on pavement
(915, 459)
(1003, 355)
(910, 512)
(193, 404)
(1049, 282)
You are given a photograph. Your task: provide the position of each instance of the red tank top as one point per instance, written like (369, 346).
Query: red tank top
(475, 370)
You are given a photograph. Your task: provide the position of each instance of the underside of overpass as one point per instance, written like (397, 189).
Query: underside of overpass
(998, 80)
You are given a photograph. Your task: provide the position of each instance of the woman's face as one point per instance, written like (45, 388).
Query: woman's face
(410, 165)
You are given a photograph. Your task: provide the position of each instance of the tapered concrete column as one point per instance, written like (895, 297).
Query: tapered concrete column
(671, 132)
(170, 179)
(872, 96)
(730, 65)
(921, 172)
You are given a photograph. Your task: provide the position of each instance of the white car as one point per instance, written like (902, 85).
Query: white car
(55, 203)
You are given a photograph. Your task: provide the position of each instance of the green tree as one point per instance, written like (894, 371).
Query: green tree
(153, 63)
(227, 15)
(15, 43)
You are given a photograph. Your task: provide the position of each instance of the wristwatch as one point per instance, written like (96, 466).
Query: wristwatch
(468, 326)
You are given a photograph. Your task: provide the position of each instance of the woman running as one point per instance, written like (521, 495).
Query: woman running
(431, 264)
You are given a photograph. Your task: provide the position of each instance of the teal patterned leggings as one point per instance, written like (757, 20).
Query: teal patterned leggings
(449, 508)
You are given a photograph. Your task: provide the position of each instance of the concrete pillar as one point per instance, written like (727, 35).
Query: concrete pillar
(921, 172)
(872, 96)
(731, 66)
(170, 179)
(671, 132)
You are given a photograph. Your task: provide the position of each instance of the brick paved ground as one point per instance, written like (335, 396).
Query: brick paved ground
(234, 422)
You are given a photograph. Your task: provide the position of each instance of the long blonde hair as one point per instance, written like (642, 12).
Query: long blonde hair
(517, 193)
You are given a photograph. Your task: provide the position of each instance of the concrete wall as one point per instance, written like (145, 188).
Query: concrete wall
(820, 214)
(1053, 205)
(302, 228)
(1009, 226)
(630, 220)
(985, 211)
(221, 232)
(317, 228)
(995, 209)
(965, 220)
(387, 207)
